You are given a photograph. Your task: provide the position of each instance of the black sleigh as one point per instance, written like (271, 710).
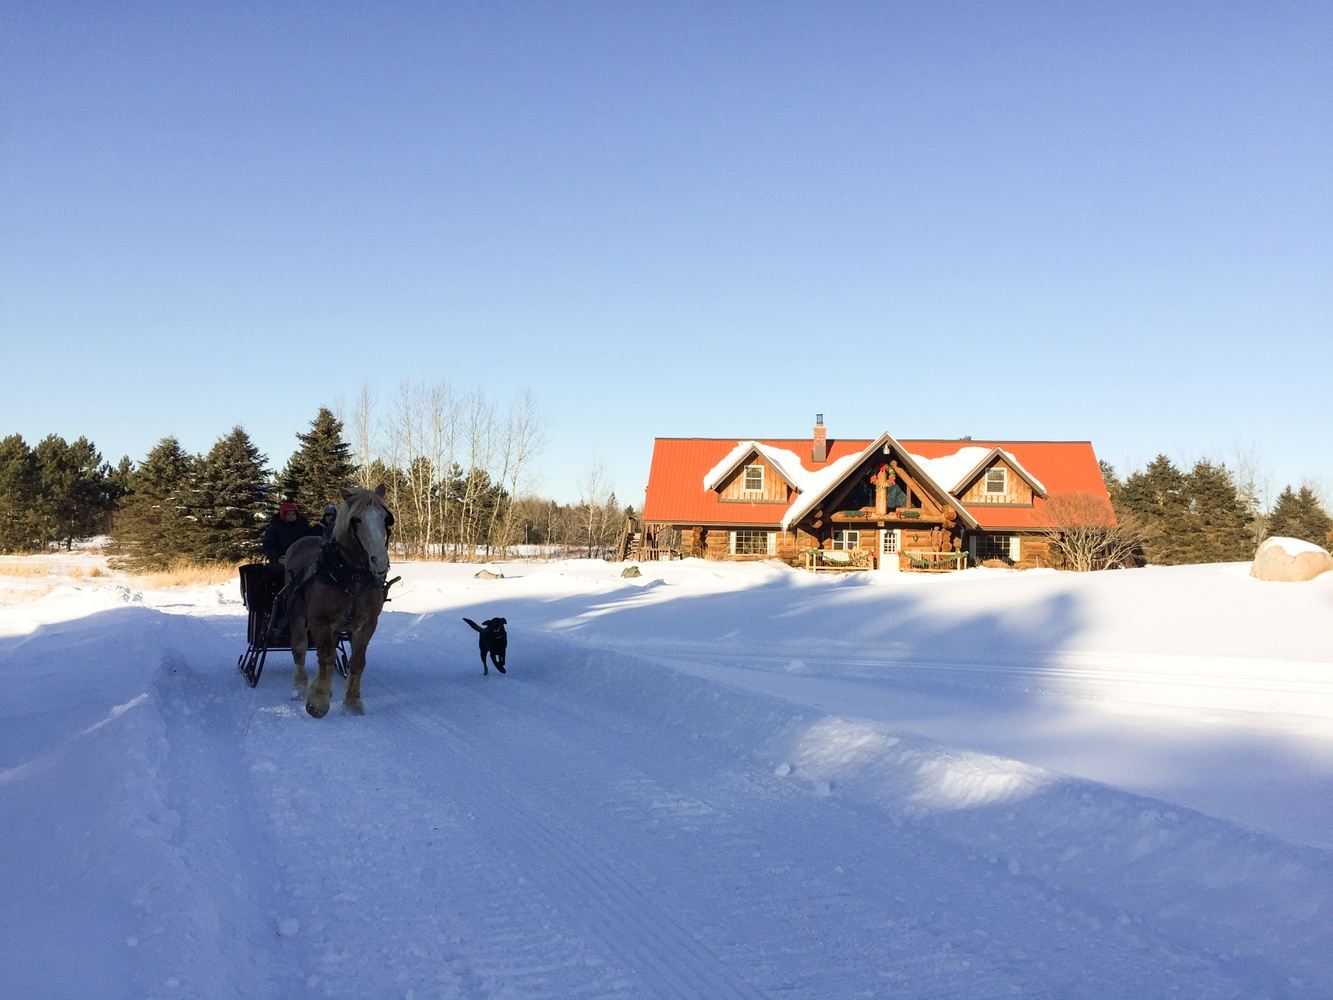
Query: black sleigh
(260, 586)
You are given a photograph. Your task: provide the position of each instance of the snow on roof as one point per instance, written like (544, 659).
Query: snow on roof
(949, 470)
(785, 462)
(815, 484)
(807, 483)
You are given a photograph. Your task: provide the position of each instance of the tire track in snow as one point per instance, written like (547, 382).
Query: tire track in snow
(573, 829)
(793, 931)
(669, 961)
(938, 918)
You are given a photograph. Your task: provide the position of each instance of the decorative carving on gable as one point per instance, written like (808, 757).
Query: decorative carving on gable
(883, 491)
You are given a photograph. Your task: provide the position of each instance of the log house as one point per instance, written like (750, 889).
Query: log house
(930, 505)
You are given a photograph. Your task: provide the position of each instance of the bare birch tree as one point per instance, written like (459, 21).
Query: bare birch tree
(478, 427)
(594, 500)
(522, 440)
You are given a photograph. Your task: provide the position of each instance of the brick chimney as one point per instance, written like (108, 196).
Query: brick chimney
(819, 446)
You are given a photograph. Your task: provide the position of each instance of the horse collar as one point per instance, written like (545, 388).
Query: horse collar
(334, 569)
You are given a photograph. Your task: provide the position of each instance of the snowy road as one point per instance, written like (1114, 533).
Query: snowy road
(523, 837)
(674, 822)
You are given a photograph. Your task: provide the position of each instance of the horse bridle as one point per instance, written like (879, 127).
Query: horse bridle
(355, 522)
(338, 571)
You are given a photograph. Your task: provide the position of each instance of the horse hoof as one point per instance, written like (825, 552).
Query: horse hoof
(354, 708)
(318, 711)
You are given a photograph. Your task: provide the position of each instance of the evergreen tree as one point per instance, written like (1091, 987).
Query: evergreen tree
(1156, 498)
(117, 488)
(1187, 518)
(72, 484)
(19, 489)
(321, 467)
(155, 526)
(1110, 480)
(1219, 517)
(1299, 514)
(232, 505)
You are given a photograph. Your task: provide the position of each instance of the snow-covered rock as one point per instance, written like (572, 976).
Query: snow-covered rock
(1290, 560)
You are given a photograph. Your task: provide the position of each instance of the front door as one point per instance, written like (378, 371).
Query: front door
(890, 539)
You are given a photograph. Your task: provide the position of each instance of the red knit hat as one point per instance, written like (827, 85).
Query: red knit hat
(288, 505)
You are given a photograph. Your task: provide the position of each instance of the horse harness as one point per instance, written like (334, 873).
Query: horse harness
(332, 568)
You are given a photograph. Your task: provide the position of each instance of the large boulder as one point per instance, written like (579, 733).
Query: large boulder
(1290, 560)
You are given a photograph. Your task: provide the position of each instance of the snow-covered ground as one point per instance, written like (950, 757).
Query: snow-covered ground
(712, 781)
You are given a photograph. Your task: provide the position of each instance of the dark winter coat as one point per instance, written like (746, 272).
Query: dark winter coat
(280, 534)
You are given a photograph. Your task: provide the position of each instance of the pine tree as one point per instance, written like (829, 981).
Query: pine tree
(72, 483)
(118, 487)
(19, 489)
(1219, 517)
(321, 467)
(1110, 480)
(1157, 498)
(1299, 514)
(232, 505)
(155, 526)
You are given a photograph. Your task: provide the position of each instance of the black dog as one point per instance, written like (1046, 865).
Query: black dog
(493, 640)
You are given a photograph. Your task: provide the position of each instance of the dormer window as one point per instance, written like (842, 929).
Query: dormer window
(754, 479)
(997, 481)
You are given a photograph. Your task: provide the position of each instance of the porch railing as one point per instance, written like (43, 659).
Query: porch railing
(932, 562)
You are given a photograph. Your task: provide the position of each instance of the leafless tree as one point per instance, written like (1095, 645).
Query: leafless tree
(451, 466)
(359, 422)
(421, 434)
(594, 497)
(1085, 534)
(521, 441)
(477, 430)
(1253, 486)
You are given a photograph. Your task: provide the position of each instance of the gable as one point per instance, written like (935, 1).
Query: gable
(998, 479)
(890, 458)
(754, 479)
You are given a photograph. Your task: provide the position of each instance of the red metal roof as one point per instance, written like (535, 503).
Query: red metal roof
(676, 493)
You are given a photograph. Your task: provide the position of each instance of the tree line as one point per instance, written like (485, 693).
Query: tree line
(1164, 516)
(455, 472)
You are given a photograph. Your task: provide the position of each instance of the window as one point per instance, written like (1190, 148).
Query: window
(997, 481)
(753, 542)
(754, 479)
(996, 547)
(845, 539)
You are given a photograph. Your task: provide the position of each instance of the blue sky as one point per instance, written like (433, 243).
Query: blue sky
(1007, 220)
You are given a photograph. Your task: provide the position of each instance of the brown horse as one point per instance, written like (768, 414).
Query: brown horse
(338, 584)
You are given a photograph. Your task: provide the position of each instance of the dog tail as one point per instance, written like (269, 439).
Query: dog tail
(473, 624)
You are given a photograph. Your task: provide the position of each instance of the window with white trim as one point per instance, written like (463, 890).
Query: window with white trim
(997, 481)
(754, 479)
(1004, 547)
(753, 542)
(846, 538)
